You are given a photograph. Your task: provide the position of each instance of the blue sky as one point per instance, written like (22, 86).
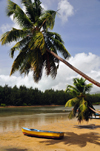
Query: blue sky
(78, 23)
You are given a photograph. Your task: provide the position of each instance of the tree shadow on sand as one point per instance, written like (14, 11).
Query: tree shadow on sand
(71, 138)
(90, 126)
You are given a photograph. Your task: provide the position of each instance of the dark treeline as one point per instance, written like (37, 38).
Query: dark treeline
(23, 96)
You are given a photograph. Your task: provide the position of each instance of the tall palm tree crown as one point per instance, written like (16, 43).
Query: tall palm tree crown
(37, 46)
(34, 39)
(79, 102)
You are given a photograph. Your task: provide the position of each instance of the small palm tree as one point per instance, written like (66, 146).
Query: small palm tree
(81, 105)
(38, 47)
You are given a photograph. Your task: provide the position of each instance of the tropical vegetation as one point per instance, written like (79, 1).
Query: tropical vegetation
(37, 46)
(22, 96)
(79, 102)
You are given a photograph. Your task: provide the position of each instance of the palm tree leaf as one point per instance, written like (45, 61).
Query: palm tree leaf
(47, 20)
(74, 110)
(76, 107)
(88, 87)
(50, 18)
(59, 46)
(55, 35)
(57, 43)
(19, 45)
(13, 35)
(19, 60)
(79, 84)
(50, 65)
(72, 90)
(37, 65)
(83, 105)
(27, 60)
(18, 14)
(71, 115)
(39, 42)
(71, 102)
(83, 112)
(50, 45)
(33, 10)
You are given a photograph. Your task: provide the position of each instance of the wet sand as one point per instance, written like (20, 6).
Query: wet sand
(77, 137)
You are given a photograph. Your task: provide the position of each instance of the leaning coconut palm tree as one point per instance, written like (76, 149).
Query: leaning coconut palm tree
(38, 47)
(34, 40)
(81, 107)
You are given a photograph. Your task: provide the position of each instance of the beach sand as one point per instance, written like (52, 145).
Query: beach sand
(77, 137)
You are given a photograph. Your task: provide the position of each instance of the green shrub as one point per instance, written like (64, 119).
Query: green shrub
(3, 105)
(24, 104)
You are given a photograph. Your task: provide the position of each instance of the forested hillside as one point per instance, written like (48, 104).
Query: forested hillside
(23, 96)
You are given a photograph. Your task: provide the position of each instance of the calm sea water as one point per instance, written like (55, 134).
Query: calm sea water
(12, 119)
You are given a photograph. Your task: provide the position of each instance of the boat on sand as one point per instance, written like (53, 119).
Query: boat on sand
(42, 133)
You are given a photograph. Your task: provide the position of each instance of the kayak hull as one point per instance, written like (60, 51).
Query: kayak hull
(41, 133)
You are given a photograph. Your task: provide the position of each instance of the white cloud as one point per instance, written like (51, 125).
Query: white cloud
(44, 6)
(65, 10)
(88, 63)
(5, 27)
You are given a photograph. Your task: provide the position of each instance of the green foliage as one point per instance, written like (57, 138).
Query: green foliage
(18, 14)
(33, 39)
(29, 96)
(3, 105)
(79, 102)
(71, 102)
(24, 104)
(23, 96)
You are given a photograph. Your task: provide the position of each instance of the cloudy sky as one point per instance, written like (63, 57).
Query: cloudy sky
(78, 23)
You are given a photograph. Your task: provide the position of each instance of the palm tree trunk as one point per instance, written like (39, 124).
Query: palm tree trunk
(98, 112)
(75, 69)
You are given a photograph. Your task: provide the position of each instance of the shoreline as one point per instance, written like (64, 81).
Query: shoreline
(83, 136)
(30, 106)
(11, 106)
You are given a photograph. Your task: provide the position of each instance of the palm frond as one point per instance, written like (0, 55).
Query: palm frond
(79, 84)
(71, 115)
(18, 14)
(50, 45)
(83, 105)
(50, 18)
(72, 90)
(19, 45)
(39, 42)
(10, 8)
(37, 65)
(29, 9)
(33, 10)
(88, 87)
(55, 35)
(47, 20)
(57, 43)
(84, 113)
(50, 65)
(38, 8)
(19, 60)
(28, 60)
(76, 108)
(71, 102)
(13, 35)
(59, 46)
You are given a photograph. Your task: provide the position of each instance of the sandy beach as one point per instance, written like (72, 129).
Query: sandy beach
(77, 137)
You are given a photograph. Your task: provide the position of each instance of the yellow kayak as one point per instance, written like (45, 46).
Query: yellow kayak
(41, 133)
